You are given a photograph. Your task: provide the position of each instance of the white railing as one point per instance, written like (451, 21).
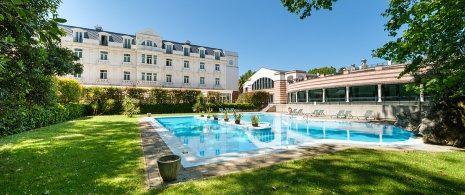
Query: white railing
(105, 62)
(143, 65)
(202, 86)
(103, 81)
(148, 83)
(168, 67)
(126, 82)
(126, 64)
(186, 69)
(168, 84)
(202, 70)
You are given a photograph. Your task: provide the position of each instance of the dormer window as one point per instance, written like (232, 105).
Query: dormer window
(127, 43)
(77, 37)
(186, 51)
(104, 40)
(202, 53)
(169, 49)
(217, 55)
(149, 43)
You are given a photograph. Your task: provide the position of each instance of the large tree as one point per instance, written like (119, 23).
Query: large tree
(243, 78)
(30, 53)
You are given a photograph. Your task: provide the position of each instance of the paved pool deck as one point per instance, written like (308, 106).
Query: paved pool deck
(154, 147)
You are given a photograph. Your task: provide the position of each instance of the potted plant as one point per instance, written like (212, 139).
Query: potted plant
(202, 114)
(226, 116)
(149, 114)
(237, 118)
(208, 113)
(254, 119)
(215, 116)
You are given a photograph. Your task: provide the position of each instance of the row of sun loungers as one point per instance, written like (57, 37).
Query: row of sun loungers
(227, 109)
(341, 114)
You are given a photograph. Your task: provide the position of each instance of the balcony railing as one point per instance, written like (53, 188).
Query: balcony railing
(103, 81)
(104, 62)
(127, 82)
(143, 65)
(126, 64)
(148, 83)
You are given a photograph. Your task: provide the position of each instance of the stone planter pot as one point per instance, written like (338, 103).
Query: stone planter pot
(226, 119)
(169, 166)
(237, 122)
(149, 114)
(201, 115)
(254, 125)
(208, 116)
(215, 118)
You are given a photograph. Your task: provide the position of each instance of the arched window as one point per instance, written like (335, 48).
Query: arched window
(263, 83)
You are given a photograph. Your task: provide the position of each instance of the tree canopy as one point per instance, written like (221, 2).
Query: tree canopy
(243, 78)
(432, 43)
(30, 53)
(323, 70)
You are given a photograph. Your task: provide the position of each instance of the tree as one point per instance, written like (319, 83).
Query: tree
(323, 70)
(243, 78)
(31, 54)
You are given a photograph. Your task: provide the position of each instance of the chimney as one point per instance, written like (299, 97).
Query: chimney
(98, 27)
(188, 42)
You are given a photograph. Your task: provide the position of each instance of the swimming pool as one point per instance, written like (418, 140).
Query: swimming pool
(200, 140)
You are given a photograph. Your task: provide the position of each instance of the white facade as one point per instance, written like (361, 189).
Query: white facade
(146, 60)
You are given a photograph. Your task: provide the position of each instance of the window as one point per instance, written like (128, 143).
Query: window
(104, 40)
(149, 43)
(217, 81)
(149, 59)
(127, 43)
(149, 76)
(154, 59)
(127, 57)
(78, 37)
(202, 65)
(263, 83)
(168, 78)
(202, 80)
(202, 53)
(127, 76)
(143, 58)
(154, 76)
(103, 55)
(169, 62)
(186, 51)
(186, 64)
(103, 74)
(142, 76)
(169, 49)
(186, 79)
(217, 55)
(76, 75)
(78, 52)
(217, 67)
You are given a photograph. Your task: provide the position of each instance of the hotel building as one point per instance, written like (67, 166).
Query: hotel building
(146, 60)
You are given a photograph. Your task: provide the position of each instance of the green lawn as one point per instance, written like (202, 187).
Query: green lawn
(102, 155)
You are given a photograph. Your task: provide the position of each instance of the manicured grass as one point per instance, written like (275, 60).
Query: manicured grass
(102, 155)
(354, 171)
(93, 155)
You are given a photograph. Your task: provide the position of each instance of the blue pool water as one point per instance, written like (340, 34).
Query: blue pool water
(210, 138)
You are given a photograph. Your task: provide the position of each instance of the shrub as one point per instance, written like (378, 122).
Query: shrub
(27, 118)
(258, 98)
(130, 107)
(166, 108)
(69, 90)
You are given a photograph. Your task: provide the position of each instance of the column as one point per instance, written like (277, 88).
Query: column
(379, 93)
(347, 94)
(306, 95)
(324, 96)
(422, 95)
(296, 97)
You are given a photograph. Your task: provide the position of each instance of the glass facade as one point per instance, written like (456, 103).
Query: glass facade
(364, 93)
(336, 94)
(397, 92)
(263, 83)
(315, 95)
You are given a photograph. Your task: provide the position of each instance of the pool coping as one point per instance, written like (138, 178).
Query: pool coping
(153, 147)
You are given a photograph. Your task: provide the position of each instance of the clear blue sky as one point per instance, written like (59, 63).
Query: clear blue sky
(263, 32)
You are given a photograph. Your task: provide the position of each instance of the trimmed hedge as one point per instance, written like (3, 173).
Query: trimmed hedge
(27, 118)
(166, 108)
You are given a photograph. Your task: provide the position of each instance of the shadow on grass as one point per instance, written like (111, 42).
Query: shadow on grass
(87, 155)
(351, 171)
